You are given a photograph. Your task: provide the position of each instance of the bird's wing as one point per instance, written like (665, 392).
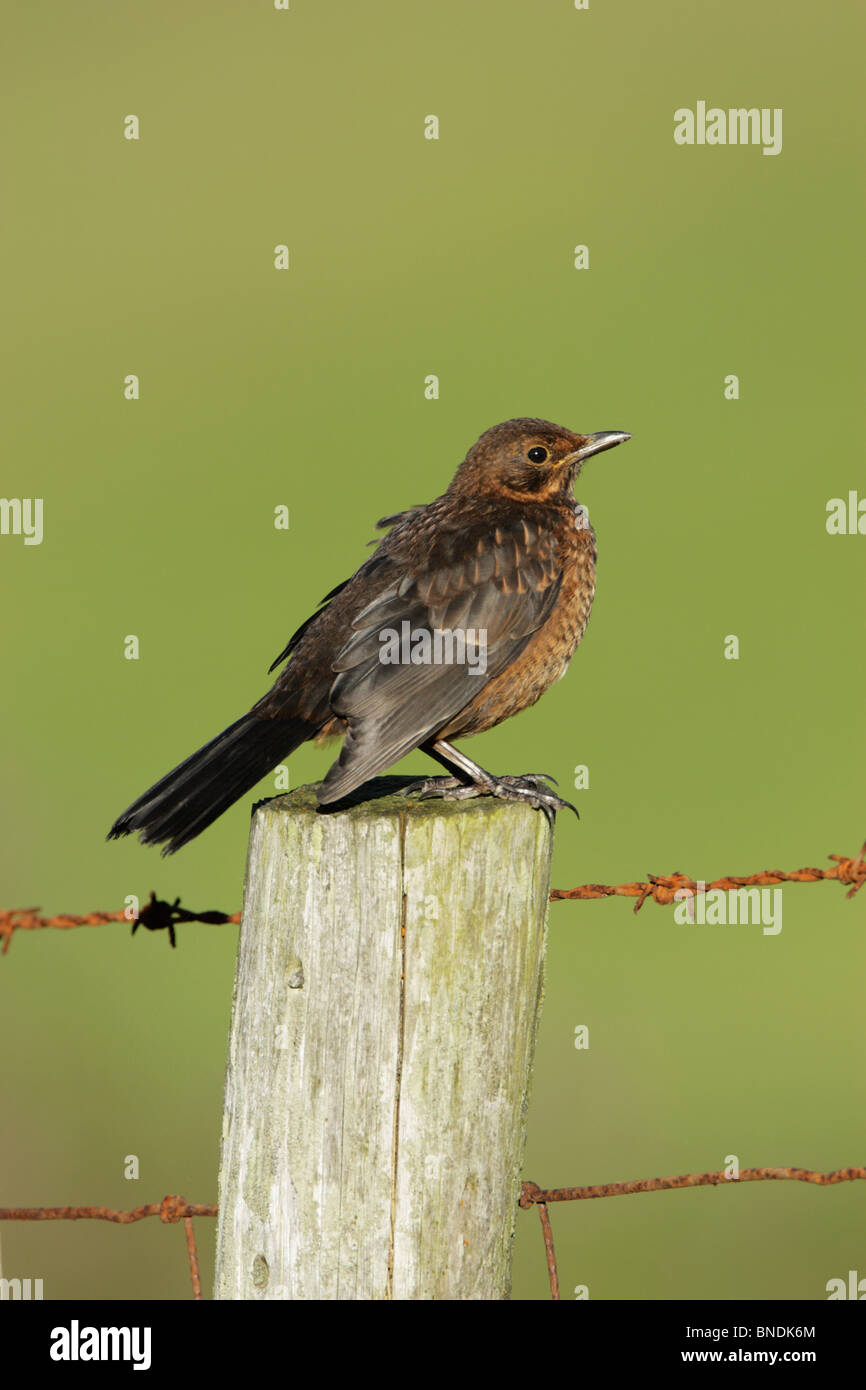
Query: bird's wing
(395, 518)
(368, 568)
(498, 582)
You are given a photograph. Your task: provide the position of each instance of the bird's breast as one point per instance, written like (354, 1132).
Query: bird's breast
(550, 650)
(547, 654)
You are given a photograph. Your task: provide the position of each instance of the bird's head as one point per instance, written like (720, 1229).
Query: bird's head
(528, 458)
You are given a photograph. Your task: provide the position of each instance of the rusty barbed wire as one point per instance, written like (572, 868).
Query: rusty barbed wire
(662, 888)
(170, 1210)
(533, 1195)
(173, 1209)
(28, 919)
(159, 915)
(549, 1251)
(192, 1252)
(156, 915)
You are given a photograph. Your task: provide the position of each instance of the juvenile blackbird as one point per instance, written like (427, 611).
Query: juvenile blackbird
(505, 557)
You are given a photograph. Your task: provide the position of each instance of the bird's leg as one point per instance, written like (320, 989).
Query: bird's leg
(473, 780)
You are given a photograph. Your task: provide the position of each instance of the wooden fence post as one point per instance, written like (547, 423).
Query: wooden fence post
(388, 987)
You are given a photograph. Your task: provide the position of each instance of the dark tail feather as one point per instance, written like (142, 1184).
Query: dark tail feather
(184, 802)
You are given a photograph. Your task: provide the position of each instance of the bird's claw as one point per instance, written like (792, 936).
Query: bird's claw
(437, 786)
(529, 788)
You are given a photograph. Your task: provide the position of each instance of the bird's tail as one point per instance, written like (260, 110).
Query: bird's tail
(184, 802)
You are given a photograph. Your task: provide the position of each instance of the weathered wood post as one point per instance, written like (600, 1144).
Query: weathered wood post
(388, 987)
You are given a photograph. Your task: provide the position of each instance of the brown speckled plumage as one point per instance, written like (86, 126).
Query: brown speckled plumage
(505, 550)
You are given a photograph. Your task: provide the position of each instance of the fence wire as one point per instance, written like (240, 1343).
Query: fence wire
(170, 1210)
(160, 915)
(173, 1209)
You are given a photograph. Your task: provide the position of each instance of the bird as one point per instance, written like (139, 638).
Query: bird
(499, 570)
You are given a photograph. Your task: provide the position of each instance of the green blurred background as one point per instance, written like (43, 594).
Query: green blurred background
(306, 387)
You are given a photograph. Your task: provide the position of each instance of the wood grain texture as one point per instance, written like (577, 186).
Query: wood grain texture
(387, 994)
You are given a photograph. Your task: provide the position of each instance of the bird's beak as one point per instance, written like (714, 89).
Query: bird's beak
(597, 443)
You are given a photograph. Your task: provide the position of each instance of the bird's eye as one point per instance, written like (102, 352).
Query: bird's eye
(538, 454)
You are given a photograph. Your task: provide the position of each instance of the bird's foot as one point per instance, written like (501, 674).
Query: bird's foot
(531, 788)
